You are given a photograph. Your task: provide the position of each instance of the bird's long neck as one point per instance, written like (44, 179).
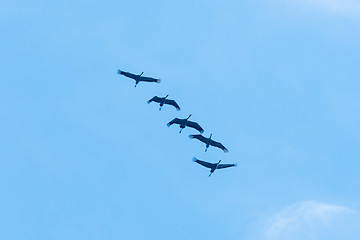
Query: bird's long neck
(188, 117)
(141, 74)
(166, 96)
(210, 136)
(218, 164)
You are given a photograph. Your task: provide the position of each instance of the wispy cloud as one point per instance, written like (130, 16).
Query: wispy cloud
(347, 7)
(304, 215)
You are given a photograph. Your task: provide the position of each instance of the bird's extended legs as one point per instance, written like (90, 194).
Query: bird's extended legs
(181, 130)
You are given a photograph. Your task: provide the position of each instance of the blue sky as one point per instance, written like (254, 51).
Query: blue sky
(84, 157)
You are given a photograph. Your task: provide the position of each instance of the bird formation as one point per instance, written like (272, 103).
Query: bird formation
(183, 123)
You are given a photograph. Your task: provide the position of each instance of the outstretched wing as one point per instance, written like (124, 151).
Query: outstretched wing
(154, 99)
(220, 166)
(219, 145)
(175, 120)
(205, 164)
(195, 125)
(149, 79)
(172, 102)
(127, 74)
(199, 137)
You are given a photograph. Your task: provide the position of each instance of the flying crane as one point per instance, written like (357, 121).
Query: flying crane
(139, 78)
(163, 101)
(213, 166)
(185, 123)
(209, 142)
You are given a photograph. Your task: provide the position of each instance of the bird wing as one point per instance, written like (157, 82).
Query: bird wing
(219, 145)
(149, 79)
(172, 102)
(199, 137)
(154, 99)
(127, 74)
(205, 164)
(175, 120)
(195, 125)
(220, 166)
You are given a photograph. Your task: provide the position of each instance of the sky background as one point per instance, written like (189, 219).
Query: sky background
(83, 156)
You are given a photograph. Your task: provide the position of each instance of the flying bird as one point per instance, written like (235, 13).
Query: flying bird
(138, 78)
(186, 123)
(209, 142)
(163, 101)
(213, 166)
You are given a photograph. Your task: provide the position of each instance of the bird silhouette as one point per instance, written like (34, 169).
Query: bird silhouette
(163, 101)
(209, 142)
(138, 78)
(185, 123)
(213, 166)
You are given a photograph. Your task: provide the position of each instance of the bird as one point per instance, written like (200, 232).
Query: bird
(163, 101)
(186, 123)
(209, 142)
(139, 78)
(213, 166)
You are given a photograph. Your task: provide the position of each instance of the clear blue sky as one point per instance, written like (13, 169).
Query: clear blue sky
(83, 156)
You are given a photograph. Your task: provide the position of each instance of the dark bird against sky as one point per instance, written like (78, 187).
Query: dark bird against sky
(186, 123)
(209, 142)
(213, 166)
(138, 78)
(163, 101)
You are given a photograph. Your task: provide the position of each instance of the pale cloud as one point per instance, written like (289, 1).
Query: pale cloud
(304, 217)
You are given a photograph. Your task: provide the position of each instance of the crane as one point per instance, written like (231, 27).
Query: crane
(213, 166)
(186, 123)
(139, 78)
(163, 101)
(209, 142)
